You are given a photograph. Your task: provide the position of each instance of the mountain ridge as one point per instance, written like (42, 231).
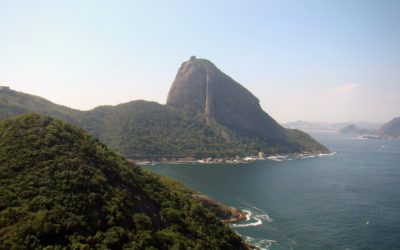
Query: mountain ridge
(152, 131)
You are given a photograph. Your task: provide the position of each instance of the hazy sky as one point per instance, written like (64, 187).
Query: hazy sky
(310, 60)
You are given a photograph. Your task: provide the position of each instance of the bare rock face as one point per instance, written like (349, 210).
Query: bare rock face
(200, 87)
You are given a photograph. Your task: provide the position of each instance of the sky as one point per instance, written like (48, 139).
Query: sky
(331, 61)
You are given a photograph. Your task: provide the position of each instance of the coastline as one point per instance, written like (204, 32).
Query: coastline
(230, 215)
(379, 137)
(227, 215)
(232, 160)
(237, 216)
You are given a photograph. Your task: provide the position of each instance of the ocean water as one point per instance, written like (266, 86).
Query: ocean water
(347, 200)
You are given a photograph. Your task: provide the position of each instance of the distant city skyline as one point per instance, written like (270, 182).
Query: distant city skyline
(317, 61)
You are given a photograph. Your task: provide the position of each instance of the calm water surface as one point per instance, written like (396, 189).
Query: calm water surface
(348, 200)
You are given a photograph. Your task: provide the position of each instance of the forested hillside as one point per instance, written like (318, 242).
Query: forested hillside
(59, 187)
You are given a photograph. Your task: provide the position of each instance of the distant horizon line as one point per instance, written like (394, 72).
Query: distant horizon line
(7, 86)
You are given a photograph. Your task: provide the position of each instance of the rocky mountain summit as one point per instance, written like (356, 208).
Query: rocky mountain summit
(207, 114)
(200, 87)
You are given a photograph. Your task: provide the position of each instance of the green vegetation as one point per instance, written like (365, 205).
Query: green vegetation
(148, 130)
(15, 103)
(304, 142)
(60, 188)
(141, 129)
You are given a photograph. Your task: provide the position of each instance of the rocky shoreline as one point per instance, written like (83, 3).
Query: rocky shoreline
(227, 214)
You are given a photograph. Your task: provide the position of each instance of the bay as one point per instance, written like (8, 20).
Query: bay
(347, 200)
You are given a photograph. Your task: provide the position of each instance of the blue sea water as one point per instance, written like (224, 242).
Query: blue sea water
(347, 200)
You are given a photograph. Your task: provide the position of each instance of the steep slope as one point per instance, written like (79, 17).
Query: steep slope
(303, 142)
(200, 87)
(207, 114)
(138, 129)
(148, 130)
(61, 188)
(391, 128)
(352, 129)
(14, 103)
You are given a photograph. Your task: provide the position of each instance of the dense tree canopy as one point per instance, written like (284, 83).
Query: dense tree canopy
(148, 130)
(59, 187)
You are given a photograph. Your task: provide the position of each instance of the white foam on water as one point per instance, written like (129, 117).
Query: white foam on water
(262, 244)
(264, 217)
(299, 156)
(253, 224)
(255, 217)
(359, 138)
(328, 154)
(317, 155)
(248, 214)
(258, 220)
(274, 158)
(265, 244)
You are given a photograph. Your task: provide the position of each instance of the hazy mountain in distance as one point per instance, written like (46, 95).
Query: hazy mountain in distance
(333, 127)
(60, 188)
(368, 125)
(390, 129)
(352, 129)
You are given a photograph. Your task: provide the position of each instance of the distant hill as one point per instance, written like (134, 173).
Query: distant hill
(352, 129)
(207, 115)
(15, 103)
(62, 189)
(325, 126)
(390, 129)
